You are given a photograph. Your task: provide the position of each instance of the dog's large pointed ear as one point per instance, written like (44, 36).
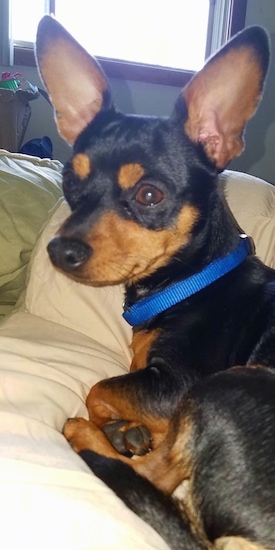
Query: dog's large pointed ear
(223, 96)
(75, 82)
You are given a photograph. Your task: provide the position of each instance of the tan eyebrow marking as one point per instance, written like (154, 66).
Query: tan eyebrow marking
(130, 174)
(82, 165)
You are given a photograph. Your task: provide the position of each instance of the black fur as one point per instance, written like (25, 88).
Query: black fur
(233, 449)
(145, 500)
(212, 425)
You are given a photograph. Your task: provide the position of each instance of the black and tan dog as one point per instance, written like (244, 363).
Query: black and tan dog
(198, 405)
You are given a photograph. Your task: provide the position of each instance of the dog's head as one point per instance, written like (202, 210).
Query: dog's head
(139, 187)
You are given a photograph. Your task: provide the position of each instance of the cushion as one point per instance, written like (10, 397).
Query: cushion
(29, 189)
(252, 200)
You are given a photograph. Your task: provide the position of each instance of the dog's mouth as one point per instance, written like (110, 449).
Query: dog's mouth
(79, 261)
(94, 266)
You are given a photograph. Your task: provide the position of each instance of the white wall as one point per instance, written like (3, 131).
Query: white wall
(259, 155)
(139, 97)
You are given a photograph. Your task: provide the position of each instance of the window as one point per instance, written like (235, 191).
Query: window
(119, 29)
(166, 45)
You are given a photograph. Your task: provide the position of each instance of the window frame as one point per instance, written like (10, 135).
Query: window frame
(140, 72)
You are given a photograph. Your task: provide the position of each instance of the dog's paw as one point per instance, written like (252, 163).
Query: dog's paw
(128, 439)
(79, 433)
(123, 437)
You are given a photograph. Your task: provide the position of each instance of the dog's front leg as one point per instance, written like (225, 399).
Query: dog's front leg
(131, 411)
(145, 399)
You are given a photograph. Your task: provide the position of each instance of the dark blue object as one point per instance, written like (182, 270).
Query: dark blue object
(38, 147)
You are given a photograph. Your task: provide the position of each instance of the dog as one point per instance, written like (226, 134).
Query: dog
(197, 409)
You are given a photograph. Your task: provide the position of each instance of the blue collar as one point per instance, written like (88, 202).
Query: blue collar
(144, 310)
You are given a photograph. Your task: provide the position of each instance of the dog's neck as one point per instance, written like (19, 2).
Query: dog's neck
(147, 308)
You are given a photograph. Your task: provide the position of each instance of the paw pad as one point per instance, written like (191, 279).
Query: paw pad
(135, 440)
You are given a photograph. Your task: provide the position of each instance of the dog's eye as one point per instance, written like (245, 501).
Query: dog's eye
(149, 195)
(70, 182)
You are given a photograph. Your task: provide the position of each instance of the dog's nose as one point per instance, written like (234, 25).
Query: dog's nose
(68, 254)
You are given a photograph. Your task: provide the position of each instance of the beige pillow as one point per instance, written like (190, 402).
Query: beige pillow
(252, 201)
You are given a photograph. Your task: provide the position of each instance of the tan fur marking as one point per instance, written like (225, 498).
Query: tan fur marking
(124, 251)
(82, 165)
(236, 543)
(141, 345)
(166, 466)
(129, 175)
(191, 508)
(109, 401)
(171, 459)
(85, 434)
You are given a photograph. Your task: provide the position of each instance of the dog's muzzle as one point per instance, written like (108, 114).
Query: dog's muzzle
(68, 254)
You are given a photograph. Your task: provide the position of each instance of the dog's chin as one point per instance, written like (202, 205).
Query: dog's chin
(96, 281)
(100, 278)
(92, 282)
